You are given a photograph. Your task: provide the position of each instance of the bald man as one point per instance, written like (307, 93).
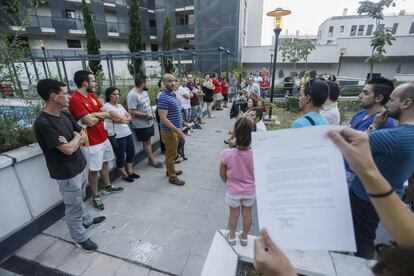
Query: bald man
(169, 109)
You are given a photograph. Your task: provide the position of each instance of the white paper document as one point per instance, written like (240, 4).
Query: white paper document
(301, 189)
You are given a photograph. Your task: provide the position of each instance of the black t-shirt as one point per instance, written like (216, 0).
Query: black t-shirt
(48, 128)
(287, 80)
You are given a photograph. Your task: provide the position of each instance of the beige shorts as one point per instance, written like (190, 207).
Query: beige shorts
(217, 97)
(239, 200)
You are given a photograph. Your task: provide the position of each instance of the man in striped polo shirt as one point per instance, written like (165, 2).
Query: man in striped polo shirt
(169, 109)
(393, 153)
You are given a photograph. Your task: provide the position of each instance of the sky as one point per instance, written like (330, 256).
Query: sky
(307, 15)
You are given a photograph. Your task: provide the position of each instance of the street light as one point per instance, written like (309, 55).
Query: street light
(342, 51)
(42, 45)
(277, 14)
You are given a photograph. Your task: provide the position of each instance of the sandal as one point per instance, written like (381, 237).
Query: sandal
(232, 242)
(157, 165)
(243, 242)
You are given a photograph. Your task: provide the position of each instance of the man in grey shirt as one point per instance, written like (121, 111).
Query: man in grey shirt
(233, 85)
(139, 107)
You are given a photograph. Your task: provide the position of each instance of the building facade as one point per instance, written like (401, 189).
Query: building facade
(351, 34)
(195, 24)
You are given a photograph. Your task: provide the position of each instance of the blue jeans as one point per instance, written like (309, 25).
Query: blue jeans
(126, 146)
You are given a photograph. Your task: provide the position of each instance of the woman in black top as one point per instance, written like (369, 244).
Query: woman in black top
(208, 88)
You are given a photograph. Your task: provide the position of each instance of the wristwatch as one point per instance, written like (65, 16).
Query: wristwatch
(372, 128)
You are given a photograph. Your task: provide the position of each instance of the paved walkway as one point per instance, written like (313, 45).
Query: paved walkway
(152, 227)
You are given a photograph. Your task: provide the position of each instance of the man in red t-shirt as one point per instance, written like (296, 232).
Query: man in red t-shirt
(86, 108)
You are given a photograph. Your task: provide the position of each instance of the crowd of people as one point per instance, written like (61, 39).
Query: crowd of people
(90, 134)
(377, 147)
(375, 178)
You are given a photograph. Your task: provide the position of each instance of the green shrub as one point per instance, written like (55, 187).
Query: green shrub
(348, 105)
(312, 74)
(281, 73)
(351, 90)
(13, 136)
(292, 104)
(152, 93)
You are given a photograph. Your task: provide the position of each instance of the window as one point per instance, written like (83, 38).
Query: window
(154, 48)
(74, 43)
(182, 20)
(341, 29)
(412, 28)
(331, 29)
(353, 30)
(369, 29)
(394, 28)
(381, 27)
(152, 23)
(361, 30)
(70, 14)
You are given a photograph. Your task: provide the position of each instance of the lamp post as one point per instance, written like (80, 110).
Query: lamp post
(271, 60)
(342, 51)
(42, 45)
(277, 14)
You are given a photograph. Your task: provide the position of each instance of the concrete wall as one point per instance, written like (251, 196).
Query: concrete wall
(27, 190)
(351, 67)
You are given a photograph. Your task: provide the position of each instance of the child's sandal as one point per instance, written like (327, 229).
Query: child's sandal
(243, 242)
(232, 242)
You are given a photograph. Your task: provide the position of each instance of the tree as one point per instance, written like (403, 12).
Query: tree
(13, 47)
(295, 51)
(135, 40)
(166, 44)
(382, 36)
(92, 43)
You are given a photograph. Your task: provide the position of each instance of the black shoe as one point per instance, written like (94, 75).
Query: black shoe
(128, 179)
(97, 203)
(134, 175)
(96, 222)
(87, 246)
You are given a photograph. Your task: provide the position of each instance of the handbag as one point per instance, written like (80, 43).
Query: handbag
(113, 140)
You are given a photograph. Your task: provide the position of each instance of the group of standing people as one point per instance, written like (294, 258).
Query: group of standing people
(218, 91)
(91, 134)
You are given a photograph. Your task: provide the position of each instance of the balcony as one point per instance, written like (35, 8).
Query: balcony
(115, 28)
(184, 31)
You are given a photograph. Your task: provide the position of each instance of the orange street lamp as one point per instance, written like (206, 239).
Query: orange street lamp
(277, 14)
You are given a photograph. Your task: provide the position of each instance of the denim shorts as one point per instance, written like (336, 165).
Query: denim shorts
(186, 112)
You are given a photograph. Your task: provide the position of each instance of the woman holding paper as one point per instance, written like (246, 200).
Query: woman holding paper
(397, 218)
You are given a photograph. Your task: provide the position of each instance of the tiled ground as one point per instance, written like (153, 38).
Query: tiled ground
(152, 223)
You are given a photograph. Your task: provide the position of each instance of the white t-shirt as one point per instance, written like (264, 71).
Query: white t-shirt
(331, 114)
(121, 130)
(258, 79)
(253, 88)
(260, 126)
(185, 103)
